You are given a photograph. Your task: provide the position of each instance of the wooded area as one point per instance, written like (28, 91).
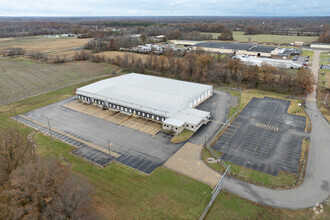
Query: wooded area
(189, 30)
(38, 188)
(206, 68)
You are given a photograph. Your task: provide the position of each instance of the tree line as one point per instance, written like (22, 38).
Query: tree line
(325, 35)
(32, 187)
(212, 69)
(11, 27)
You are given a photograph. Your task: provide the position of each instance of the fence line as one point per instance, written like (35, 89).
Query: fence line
(215, 193)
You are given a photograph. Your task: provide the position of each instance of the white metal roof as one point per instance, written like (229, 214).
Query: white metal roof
(273, 62)
(174, 122)
(145, 92)
(192, 116)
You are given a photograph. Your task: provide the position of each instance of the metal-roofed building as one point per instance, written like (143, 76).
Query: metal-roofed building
(258, 61)
(160, 99)
(236, 48)
(223, 47)
(261, 51)
(320, 46)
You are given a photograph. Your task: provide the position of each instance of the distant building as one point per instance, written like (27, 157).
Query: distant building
(158, 48)
(185, 42)
(52, 36)
(258, 61)
(320, 46)
(298, 43)
(236, 48)
(161, 37)
(286, 52)
(168, 101)
(68, 35)
(135, 36)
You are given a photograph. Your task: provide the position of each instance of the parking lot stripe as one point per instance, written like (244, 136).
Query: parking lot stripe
(114, 154)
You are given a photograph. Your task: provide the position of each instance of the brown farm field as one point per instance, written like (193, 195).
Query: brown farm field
(43, 44)
(21, 78)
(113, 54)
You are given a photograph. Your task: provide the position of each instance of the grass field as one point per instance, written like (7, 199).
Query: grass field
(324, 55)
(323, 86)
(324, 77)
(20, 78)
(307, 53)
(325, 58)
(183, 136)
(268, 38)
(42, 44)
(325, 74)
(123, 193)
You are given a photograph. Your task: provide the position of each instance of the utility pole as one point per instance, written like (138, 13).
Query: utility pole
(16, 115)
(50, 131)
(205, 141)
(325, 99)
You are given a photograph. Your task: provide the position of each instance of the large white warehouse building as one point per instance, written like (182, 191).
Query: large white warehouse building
(164, 100)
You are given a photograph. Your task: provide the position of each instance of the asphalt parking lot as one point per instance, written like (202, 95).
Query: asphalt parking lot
(218, 105)
(264, 137)
(129, 146)
(134, 148)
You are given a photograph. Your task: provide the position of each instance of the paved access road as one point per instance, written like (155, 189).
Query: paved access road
(218, 105)
(316, 186)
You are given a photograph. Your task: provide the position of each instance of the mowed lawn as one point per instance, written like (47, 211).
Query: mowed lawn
(21, 78)
(268, 38)
(123, 193)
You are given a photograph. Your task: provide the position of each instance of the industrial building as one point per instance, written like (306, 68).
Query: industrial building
(258, 61)
(236, 48)
(321, 46)
(170, 102)
(185, 43)
(249, 49)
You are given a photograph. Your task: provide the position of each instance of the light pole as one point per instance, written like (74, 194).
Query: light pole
(109, 145)
(50, 131)
(205, 140)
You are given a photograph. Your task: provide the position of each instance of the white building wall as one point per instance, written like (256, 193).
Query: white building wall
(321, 46)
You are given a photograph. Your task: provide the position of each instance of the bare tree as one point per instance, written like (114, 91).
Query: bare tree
(45, 189)
(34, 188)
(15, 150)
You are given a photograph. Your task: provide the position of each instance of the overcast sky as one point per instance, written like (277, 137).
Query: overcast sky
(164, 7)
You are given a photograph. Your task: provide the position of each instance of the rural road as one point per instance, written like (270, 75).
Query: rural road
(316, 186)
